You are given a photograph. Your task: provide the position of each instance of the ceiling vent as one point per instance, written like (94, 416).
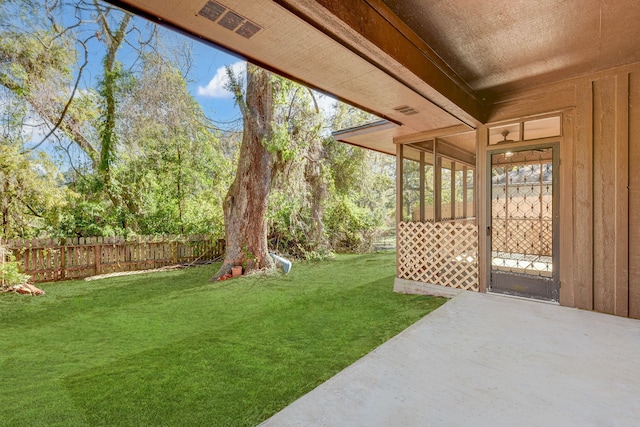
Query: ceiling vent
(406, 110)
(229, 19)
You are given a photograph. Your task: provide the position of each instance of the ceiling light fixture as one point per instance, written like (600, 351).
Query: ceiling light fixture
(504, 134)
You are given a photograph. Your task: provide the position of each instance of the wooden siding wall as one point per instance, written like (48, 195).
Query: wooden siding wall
(634, 195)
(600, 185)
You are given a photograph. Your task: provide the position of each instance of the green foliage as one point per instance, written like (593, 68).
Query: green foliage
(355, 188)
(113, 86)
(361, 187)
(298, 189)
(280, 143)
(347, 116)
(32, 199)
(296, 121)
(173, 349)
(89, 216)
(29, 61)
(289, 220)
(322, 254)
(10, 274)
(350, 226)
(159, 167)
(140, 156)
(174, 167)
(347, 164)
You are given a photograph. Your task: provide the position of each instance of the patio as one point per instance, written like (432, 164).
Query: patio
(488, 360)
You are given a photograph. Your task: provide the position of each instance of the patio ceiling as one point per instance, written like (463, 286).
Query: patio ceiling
(501, 46)
(422, 65)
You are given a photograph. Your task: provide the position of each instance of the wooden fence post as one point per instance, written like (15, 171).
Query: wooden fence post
(63, 258)
(174, 251)
(97, 258)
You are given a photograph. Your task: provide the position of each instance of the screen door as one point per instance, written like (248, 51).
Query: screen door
(523, 229)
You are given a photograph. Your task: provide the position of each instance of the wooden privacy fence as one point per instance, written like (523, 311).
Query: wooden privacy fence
(441, 253)
(48, 260)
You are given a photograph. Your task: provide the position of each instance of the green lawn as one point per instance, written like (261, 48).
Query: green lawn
(172, 349)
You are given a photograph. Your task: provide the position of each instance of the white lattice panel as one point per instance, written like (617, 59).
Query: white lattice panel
(444, 253)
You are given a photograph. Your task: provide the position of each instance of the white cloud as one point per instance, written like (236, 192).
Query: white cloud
(216, 88)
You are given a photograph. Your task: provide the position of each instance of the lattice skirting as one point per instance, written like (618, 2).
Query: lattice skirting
(444, 253)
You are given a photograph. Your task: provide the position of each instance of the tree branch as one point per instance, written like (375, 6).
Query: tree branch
(315, 101)
(56, 126)
(235, 87)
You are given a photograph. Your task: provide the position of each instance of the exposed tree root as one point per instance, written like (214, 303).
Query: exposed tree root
(23, 289)
(223, 273)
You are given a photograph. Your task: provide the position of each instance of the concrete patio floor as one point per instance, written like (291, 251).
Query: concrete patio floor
(488, 360)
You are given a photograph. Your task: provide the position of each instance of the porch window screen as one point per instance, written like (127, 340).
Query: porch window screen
(435, 188)
(446, 187)
(411, 185)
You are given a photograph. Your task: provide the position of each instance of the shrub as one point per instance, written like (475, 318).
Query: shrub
(349, 226)
(9, 271)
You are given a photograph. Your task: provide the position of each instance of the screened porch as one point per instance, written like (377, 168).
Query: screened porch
(437, 234)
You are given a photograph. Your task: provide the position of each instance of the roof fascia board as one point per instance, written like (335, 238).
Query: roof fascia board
(437, 133)
(364, 129)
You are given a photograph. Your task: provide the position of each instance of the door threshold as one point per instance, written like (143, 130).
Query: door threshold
(544, 301)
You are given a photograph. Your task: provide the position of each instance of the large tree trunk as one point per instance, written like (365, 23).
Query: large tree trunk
(246, 203)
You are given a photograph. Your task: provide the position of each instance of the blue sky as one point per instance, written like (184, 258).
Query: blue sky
(206, 78)
(209, 78)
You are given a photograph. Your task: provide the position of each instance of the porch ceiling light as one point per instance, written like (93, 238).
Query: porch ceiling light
(504, 134)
